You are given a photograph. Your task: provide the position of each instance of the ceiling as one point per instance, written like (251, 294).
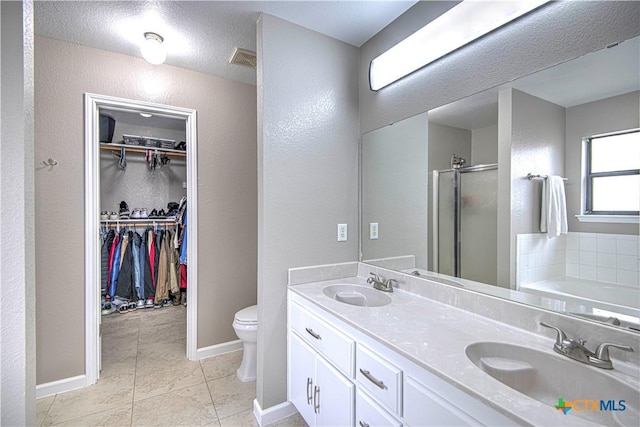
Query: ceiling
(601, 74)
(201, 35)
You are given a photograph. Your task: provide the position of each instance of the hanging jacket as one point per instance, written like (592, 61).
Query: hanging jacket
(135, 239)
(149, 288)
(162, 287)
(125, 287)
(105, 253)
(115, 264)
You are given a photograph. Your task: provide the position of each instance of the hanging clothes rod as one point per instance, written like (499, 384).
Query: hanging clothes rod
(531, 176)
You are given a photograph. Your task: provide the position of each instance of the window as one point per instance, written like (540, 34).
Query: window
(613, 174)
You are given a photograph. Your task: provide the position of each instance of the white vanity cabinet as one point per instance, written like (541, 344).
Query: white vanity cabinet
(341, 376)
(322, 395)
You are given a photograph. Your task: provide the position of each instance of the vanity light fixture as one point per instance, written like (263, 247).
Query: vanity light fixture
(146, 115)
(462, 24)
(152, 49)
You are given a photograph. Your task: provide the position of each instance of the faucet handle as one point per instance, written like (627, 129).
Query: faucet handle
(389, 283)
(602, 352)
(560, 337)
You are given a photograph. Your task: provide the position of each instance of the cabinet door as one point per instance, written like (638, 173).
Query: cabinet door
(370, 414)
(302, 378)
(334, 397)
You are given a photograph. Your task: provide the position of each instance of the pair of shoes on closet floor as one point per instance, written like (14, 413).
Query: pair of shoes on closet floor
(148, 303)
(140, 303)
(108, 308)
(183, 298)
(127, 307)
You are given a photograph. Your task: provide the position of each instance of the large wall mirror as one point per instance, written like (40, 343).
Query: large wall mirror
(454, 194)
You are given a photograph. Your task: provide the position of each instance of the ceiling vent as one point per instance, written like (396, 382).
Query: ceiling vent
(244, 57)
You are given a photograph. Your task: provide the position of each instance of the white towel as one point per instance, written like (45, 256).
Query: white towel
(553, 212)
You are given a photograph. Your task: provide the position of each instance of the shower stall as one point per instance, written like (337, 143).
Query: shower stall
(465, 222)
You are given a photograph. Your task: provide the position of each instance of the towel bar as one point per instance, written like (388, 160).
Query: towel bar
(531, 176)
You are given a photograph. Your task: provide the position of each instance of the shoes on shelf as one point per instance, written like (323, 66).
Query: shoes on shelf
(162, 214)
(153, 214)
(144, 213)
(104, 215)
(114, 216)
(136, 214)
(124, 210)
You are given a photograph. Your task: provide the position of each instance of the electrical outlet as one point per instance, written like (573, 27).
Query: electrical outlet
(342, 232)
(373, 231)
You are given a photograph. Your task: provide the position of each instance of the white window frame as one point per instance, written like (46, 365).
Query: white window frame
(599, 216)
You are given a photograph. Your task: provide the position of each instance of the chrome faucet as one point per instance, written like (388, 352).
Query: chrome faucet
(576, 350)
(380, 283)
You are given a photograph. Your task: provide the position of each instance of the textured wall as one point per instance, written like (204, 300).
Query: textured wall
(308, 134)
(137, 185)
(226, 190)
(607, 115)
(535, 144)
(484, 145)
(17, 281)
(394, 190)
(555, 33)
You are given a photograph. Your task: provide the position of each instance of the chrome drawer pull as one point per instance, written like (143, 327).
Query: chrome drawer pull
(316, 399)
(363, 424)
(309, 397)
(313, 334)
(373, 379)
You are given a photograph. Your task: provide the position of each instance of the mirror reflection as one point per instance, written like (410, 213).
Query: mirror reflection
(455, 194)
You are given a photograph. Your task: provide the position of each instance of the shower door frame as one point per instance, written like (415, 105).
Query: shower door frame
(456, 218)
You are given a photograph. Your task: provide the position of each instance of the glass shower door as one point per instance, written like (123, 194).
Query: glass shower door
(446, 223)
(478, 222)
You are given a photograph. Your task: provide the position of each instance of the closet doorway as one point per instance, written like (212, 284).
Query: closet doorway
(156, 153)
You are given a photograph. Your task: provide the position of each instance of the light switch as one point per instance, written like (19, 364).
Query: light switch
(342, 232)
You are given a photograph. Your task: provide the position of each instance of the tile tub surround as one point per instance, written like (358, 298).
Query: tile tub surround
(607, 258)
(431, 324)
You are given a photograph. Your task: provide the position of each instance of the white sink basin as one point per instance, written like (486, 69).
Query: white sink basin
(359, 295)
(547, 377)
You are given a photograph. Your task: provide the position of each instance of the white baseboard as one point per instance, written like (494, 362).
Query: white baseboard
(60, 386)
(214, 350)
(273, 414)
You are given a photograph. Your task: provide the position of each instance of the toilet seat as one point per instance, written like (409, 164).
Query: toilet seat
(247, 316)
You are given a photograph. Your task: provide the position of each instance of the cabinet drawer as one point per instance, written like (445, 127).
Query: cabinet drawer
(331, 343)
(382, 379)
(370, 414)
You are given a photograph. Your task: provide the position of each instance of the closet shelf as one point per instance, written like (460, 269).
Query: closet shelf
(141, 149)
(139, 221)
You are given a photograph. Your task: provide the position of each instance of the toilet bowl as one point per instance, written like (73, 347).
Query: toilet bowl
(245, 324)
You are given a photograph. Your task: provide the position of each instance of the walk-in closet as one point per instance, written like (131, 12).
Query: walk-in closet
(143, 232)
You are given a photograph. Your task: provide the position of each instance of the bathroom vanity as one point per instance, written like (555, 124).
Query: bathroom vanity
(360, 360)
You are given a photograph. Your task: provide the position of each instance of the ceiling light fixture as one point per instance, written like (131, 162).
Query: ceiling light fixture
(460, 25)
(152, 48)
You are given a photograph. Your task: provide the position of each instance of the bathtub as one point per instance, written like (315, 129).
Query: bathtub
(617, 299)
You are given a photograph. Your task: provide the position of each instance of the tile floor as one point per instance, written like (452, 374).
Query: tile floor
(147, 380)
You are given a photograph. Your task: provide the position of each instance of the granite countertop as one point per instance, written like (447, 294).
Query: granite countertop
(434, 335)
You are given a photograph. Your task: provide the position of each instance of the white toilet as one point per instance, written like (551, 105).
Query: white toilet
(245, 323)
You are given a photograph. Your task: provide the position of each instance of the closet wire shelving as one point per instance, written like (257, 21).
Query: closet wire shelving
(141, 149)
(138, 222)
